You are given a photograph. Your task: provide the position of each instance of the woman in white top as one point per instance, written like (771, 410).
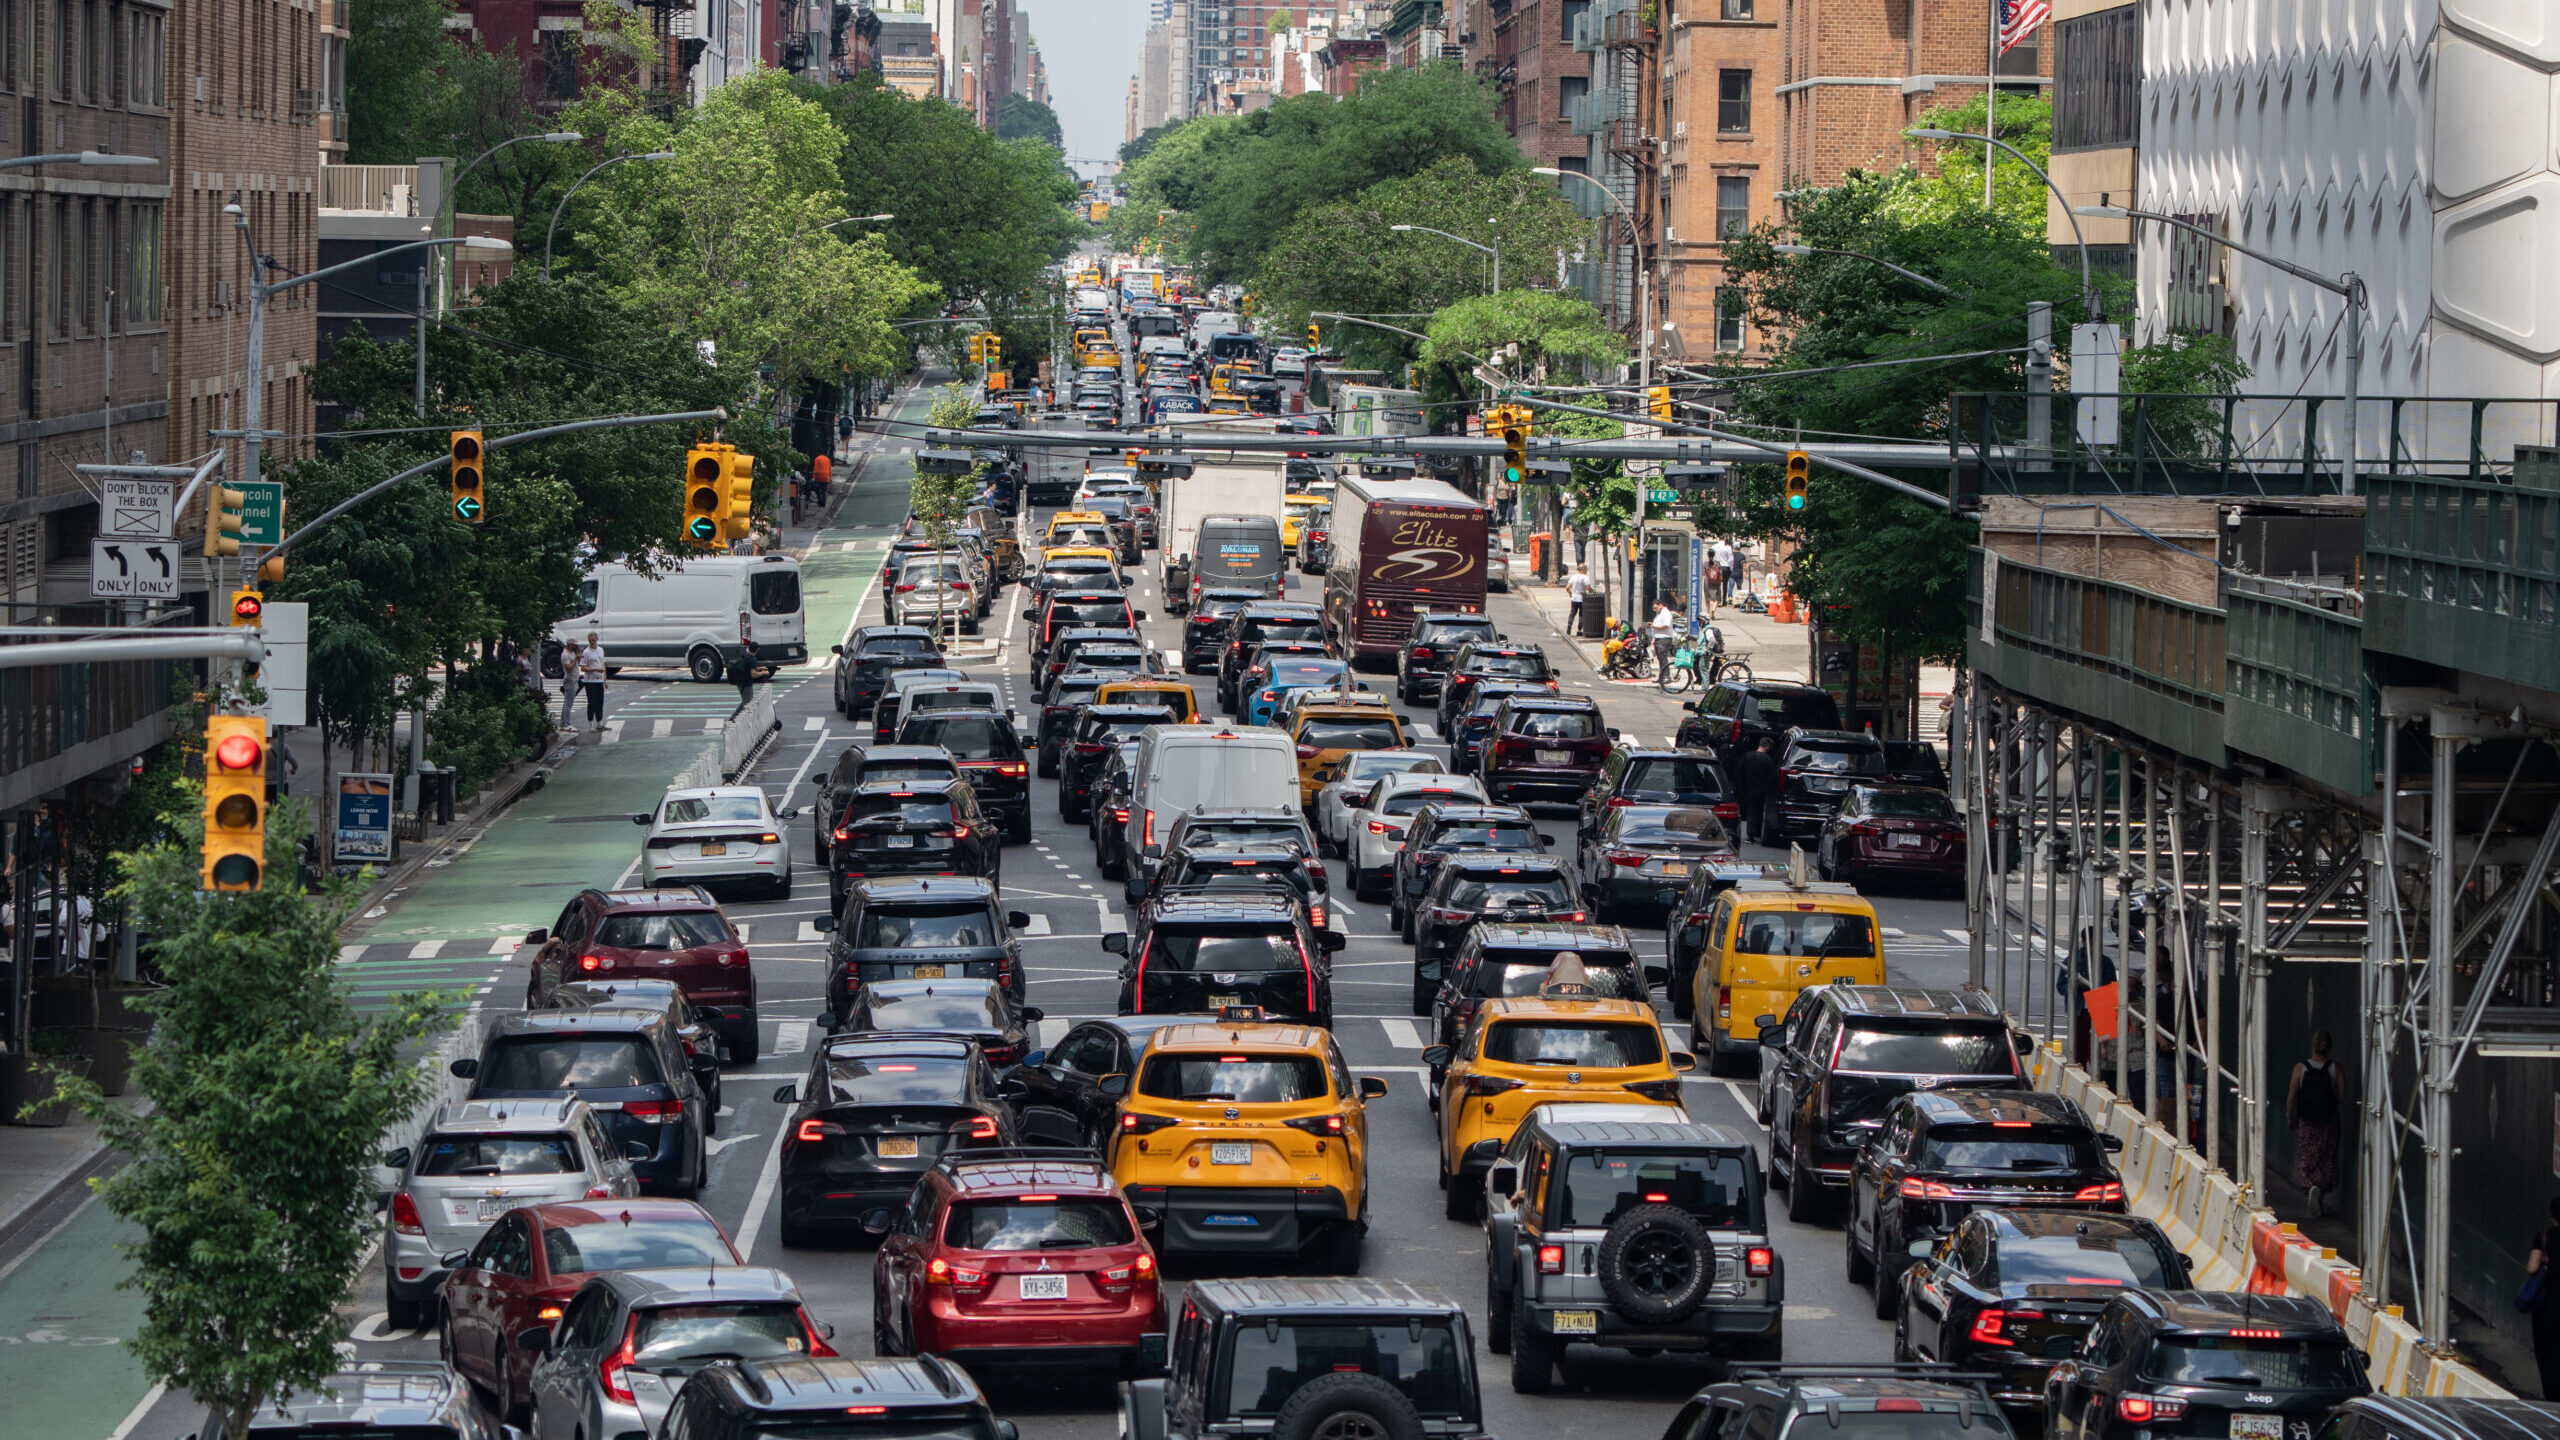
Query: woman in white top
(568, 686)
(591, 675)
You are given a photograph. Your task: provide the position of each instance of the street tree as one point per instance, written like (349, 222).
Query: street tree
(251, 1177)
(1952, 185)
(1553, 331)
(1023, 118)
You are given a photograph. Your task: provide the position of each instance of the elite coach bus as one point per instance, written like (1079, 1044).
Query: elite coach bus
(1400, 547)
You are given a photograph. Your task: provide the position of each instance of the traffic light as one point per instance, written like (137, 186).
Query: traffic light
(739, 516)
(465, 476)
(1512, 423)
(235, 802)
(1315, 336)
(271, 570)
(706, 491)
(225, 511)
(248, 607)
(1658, 400)
(1799, 474)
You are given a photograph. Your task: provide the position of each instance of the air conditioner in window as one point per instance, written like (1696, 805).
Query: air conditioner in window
(1679, 129)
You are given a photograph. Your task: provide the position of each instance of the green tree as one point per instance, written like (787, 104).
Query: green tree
(1955, 185)
(1171, 174)
(251, 1178)
(1281, 21)
(1551, 330)
(1132, 151)
(1022, 118)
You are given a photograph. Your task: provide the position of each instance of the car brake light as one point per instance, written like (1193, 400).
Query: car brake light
(843, 832)
(939, 1271)
(903, 589)
(733, 957)
(610, 1372)
(1307, 752)
(1317, 1124)
(2255, 1334)
(1729, 810)
(656, 1112)
(2141, 1409)
(817, 1343)
(593, 962)
(1090, 747)
(1626, 859)
(1550, 1259)
(1988, 1325)
(1447, 916)
(1143, 1124)
(1481, 1085)
(1377, 827)
(2111, 1191)
(597, 1192)
(1662, 1091)
(1014, 769)
(404, 1215)
(982, 1127)
(1917, 1189)
(1898, 1404)
(1759, 1259)
(813, 1131)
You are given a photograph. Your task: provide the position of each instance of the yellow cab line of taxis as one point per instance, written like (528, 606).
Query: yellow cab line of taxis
(1237, 1136)
(1293, 517)
(1566, 1044)
(1067, 521)
(1765, 940)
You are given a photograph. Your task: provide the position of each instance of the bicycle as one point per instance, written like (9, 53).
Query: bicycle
(1683, 669)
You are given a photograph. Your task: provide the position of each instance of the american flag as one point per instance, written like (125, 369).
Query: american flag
(2019, 19)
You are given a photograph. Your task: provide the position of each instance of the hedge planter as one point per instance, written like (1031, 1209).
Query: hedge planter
(27, 1085)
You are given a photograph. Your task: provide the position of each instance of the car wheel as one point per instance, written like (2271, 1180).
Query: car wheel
(1463, 1194)
(1422, 992)
(1888, 1283)
(510, 1409)
(399, 1314)
(782, 886)
(796, 1235)
(703, 663)
(1805, 1200)
(1113, 866)
(1048, 763)
(835, 892)
(1497, 1318)
(1369, 885)
(1410, 920)
(745, 1048)
(1533, 1354)
(1339, 1252)
(1862, 1269)
(1684, 999)
(1017, 830)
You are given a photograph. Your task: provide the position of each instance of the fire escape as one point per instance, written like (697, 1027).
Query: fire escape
(1625, 80)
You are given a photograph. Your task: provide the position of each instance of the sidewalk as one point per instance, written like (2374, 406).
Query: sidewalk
(1776, 651)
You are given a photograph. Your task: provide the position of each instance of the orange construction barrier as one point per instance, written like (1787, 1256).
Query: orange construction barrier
(1538, 544)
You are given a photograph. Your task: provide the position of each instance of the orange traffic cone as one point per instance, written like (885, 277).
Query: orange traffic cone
(1784, 612)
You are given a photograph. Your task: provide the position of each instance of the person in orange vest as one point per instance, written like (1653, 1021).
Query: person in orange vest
(821, 471)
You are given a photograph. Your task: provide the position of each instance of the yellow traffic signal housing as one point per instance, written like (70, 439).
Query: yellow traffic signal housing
(271, 570)
(248, 607)
(706, 493)
(1515, 444)
(225, 511)
(466, 476)
(739, 517)
(1799, 474)
(1658, 399)
(1315, 336)
(235, 802)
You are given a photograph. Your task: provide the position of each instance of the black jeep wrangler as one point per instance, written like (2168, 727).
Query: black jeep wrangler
(1298, 1359)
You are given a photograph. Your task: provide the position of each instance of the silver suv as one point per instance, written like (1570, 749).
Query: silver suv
(1652, 1236)
(413, 1399)
(629, 1339)
(475, 1162)
(953, 580)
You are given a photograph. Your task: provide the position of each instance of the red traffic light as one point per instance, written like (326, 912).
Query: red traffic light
(248, 606)
(238, 752)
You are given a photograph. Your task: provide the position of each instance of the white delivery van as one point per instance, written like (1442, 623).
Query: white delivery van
(1182, 768)
(690, 617)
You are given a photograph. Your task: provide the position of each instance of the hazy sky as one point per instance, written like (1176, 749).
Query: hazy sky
(1091, 49)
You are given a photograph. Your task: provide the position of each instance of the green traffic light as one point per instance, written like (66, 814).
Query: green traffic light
(467, 507)
(1511, 474)
(1795, 502)
(700, 528)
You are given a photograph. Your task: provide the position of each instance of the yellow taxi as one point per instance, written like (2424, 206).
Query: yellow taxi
(1171, 694)
(1762, 941)
(1089, 340)
(1090, 520)
(1293, 517)
(1564, 1045)
(1243, 1137)
(1342, 724)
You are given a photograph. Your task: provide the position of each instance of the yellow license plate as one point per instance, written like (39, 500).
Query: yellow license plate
(897, 1149)
(1674, 867)
(928, 972)
(1577, 1322)
(714, 847)
(1221, 1002)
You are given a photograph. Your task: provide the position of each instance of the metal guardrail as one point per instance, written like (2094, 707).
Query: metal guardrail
(2151, 640)
(2298, 691)
(2467, 567)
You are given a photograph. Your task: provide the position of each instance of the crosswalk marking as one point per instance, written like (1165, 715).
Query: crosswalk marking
(1401, 1033)
(502, 948)
(790, 1037)
(1961, 937)
(809, 933)
(349, 954)
(1891, 933)
(1039, 926)
(426, 950)
(816, 722)
(743, 929)
(661, 729)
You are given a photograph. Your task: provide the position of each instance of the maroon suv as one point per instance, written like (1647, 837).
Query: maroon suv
(1543, 748)
(676, 934)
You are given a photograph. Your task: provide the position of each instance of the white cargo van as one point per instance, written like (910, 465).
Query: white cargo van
(693, 617)
(1182, 768)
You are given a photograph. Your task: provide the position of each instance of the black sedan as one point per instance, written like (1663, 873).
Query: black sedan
(1643, 856)
(865, 660)
(1057, 1092)
(875, 1112)
(910, 827)
(977, 1010)
(1107, 814)
(1504, 889)
(2009, 1292)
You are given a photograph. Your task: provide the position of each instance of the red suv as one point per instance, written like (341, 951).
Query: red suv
(1027, 1257)
(675, 934)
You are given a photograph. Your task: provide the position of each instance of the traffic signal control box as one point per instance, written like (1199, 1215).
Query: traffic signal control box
(235, 802)
(466, 477)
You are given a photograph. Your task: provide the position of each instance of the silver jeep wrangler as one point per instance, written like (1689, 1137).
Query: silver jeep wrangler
(1629, 1227)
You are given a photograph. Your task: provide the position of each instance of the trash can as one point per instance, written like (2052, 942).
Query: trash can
(1595, 620)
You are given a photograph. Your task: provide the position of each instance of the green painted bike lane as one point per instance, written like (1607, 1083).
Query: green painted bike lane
(64, 1367)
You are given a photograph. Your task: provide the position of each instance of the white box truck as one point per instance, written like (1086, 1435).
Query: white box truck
(1230, 487)
(1377, 410)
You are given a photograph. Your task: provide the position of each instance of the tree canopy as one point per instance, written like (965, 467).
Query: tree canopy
(1023, 118)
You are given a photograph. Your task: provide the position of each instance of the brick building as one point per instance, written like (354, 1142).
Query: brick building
(1857, 73)
(1719, 162)
(1540, 76)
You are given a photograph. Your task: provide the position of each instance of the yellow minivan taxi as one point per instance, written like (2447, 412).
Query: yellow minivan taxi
(1293, 517)
(1093, 520)
(1325, 733)
(1763, 941)
(1170, 694)
(1242, 1137)
(1564, 1045)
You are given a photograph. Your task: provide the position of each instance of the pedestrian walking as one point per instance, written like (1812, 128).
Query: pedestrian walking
(844, 430)
(1665, 627)
(1755, 780)
(1577, 589)
(2535, 1300)
(744, 671)
(2311, 1106)
(570, 650)
(1726, 570)
(591, 675)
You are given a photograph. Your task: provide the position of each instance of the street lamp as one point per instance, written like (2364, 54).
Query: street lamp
(2349, 285)
(1494, 250)
(1940, 287)
(2088, 295)
(554, 227)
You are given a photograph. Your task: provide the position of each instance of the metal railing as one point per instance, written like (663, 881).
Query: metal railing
(2298, 691)
(47, 710)
(2470, 568)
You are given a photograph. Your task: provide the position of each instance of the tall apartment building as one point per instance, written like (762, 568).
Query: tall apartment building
(85, 343)
(1719, 156)
(1152, 87)
(1857, 73)
(1540, 77)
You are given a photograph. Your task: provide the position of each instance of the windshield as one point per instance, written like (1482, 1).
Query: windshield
(958, 698)
(1080, 1224)
(1236, 1079)
(621, 1243)
(1598, 1044)
(1804, 933)
(1484, 835)
(2086, 1259)
(898, 645)
(1803, 710)
(499, 1155)
(1601, 1185)
(679, 930)
(694, 809)
(907, 770)
(1405, 802)
(701, 1332)
(1532, 666)
(893, 1080)
(1680, 776)
(1480, 892)
(1672, 827)
(964, 1011)
(1241, 832)
(548, 1062)
(1369, 765)
(1110, 613)
(1851, 760)
(1224, 950)
(774, 592)
(1912, 805)
(918, 927)
(1243, 874)
(2277, 1364)
(1304, 672)
(1271, 1362)
(1351, 733)
(1435, 632)
(1613, 976)
(1989, 1147)
(1972, 1050)
(967, 737)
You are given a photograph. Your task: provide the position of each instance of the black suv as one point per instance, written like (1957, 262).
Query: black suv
(1466, 889)
(1351, 1356)
(1071, 691)
(989, 754)
(857, 766)
(2437, 1417)
(865, 660)
(1942, 1152)
(1422, 659)
(1841, 1054)
(2011, 1292)
(910, 827)
(1091, 734)
(1063, 609)
(1735, 715)
(922, 929)
(1095, 647)
(1906, 1402)
(1815, 770)
(1667, 1226)
(1480, 660)
(875, 1112)
(1440, 831)
(1203, 638)
(629, 1064)
(1206, 950)
(2205, 1362)
(1207, 864)
(1652, 775)
(1294, 619)
(1512, 958)
(833, 1395)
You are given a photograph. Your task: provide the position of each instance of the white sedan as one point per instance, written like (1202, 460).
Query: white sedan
(715, 834)
(1361, 769)
(1377, 822)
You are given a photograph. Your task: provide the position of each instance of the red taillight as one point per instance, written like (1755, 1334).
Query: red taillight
(1143, 1124)
(1451, 917)
(594, 962)
(817, 1343)
(597, 1192)
(1316, 1124)
(1729, 811)
(1090, 748)
(903, 589)
(1759, 1260)
(1307, 752)
(733, 957)
(1866, 828)
(404, 1215)
(1482, 1085)
(1625, 859)
(1420, 652)
(1988, 1325)
(610, 1372)
(2110, 1192)
(2142, 1409)
(1377, 827)
(939, 1271)
(813, 1131)
(2257, 1334)
(1014, 769)
(843, 833)
(1550, 1259)
(982, 1127)
(656, 1112)
(1917, 1189)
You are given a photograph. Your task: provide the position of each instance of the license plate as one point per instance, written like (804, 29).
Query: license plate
(1577, 1322)
(1221, 1002)
(1675, 867)
(495, 1206)
(928, 972)
(1044, 1287)
(1909, 842)
(2257, 1427)
(714, 847)
(902, 842)
(1555, 757)
(1242, 1154)
(897, 1149)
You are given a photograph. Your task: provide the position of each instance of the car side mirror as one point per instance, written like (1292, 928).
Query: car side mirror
(536, 937)
(464, 1068)
(879, 1221)
(824, 924)
(791, 814)
(2112, 1144)
(640, 819)
(1031, 613)
(1152, 1353)
(1683, 1061)
(396, 1159)
(830, 1021)
(786, 1094)
(1547, 840)
(1435, 1055)
(1331, 941)
(1657, 975)
(1503, 1178)
(1007, 1430)
(637, 1150)
(1771, 1035)
(1117, 942)
(1138, 615)
(1033, 1014)
(534, 1342)
(1114, 1085)
(1018, 919)
(1690, 706)
(835, 649)
(1613, 732)
(1135, 890)
(1372, 1088)
(1693, 934)
(454, 1261)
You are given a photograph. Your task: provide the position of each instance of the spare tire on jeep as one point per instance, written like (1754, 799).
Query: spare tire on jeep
(1347, 1406)
(1656, 1264)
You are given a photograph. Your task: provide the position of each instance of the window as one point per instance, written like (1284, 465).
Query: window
(1572, 10)
(1733, 102)
(92, 54)
(1729, 310)
(560, 64)
(141, 285)
(1570, 89)
(1733, 206)
(1737, 9)
(2097, 80)
(59, 269)
(63, 51)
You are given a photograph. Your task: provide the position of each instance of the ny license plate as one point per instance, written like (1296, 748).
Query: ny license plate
(1909, 842)
(1555, 757)
(2257, 1427)
(1577, 1322)
(897, 1149)
(495, 1206)
(714, 847)
(1221, 1002)
(902, 842)
(1675, 867)
(1044, 1287)
(1238, 1154)
(928, 972)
